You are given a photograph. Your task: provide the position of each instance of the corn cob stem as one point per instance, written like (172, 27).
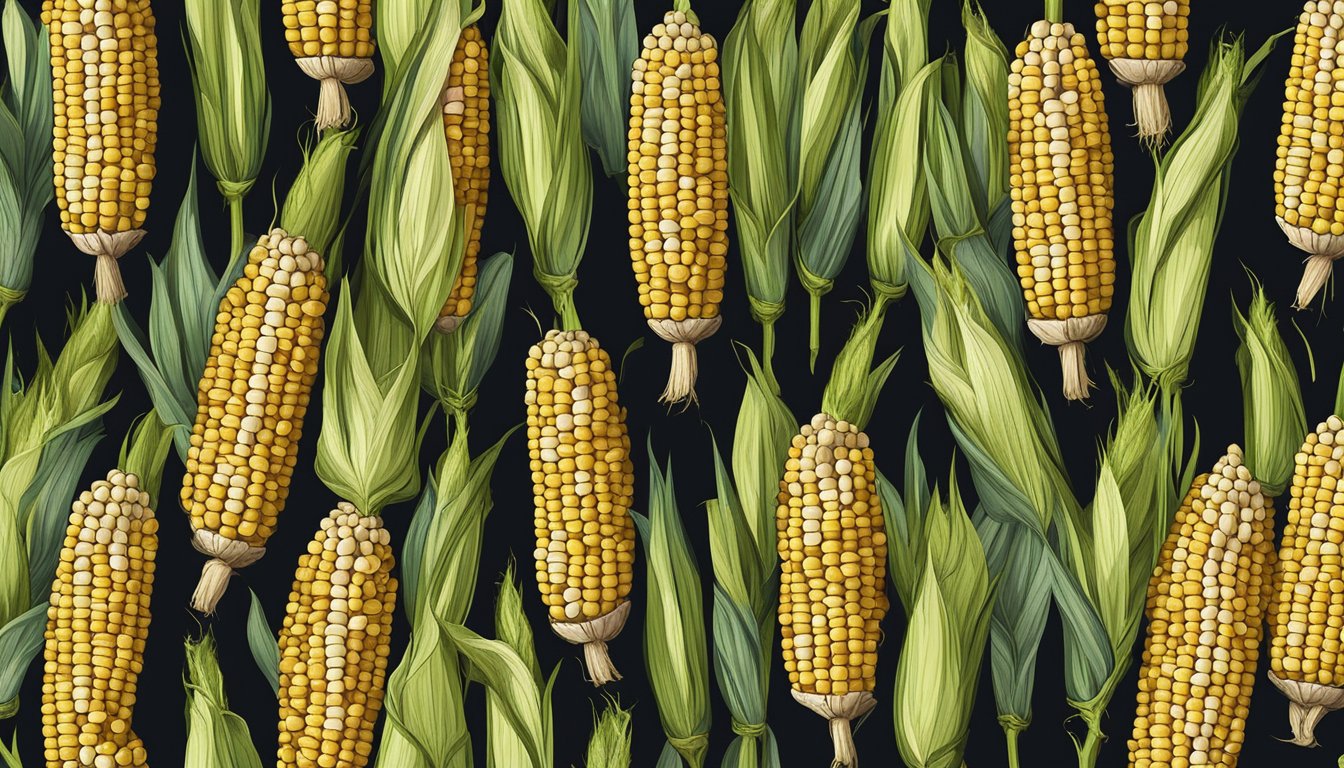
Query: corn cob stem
(1324, 250)
(107, 248)
(1071, 337)
(1011, 735)
(839, 712)
(1308, 704)
(237, 238)
(334, 73)
(594, 636)
(1146, 77)
(1054, 11)
(683, 336)
(1090, 747)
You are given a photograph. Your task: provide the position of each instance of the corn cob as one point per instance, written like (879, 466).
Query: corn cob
(1145, 42)
(1206, 608)
(581, 486)
(251, 403)
(678, 176)
(332, 41)
(105, 84)
(1061, 179)
(97, 623)
(1310, 158)
(466, 120)
(1306, 616)
(334, 643)
(832, 587)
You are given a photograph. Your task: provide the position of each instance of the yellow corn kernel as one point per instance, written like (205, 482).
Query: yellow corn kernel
(581, 484)
(334, 643)
(1206, 607)
(97, 623)
(1152, 30)
(466, 122)
(339, 28)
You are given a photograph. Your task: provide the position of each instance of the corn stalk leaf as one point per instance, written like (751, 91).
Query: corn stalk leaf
(456, 363)
(262, 642)
(47, 503)
(1272, 411)
(608, 47)
(216, 737)
(25, 145)
(765, 427)
(609, 746)
(984, 111)
(20, 640)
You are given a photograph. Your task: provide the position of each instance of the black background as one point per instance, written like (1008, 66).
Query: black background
(606, 299)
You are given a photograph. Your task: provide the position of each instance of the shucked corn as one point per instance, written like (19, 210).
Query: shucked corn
(1311, 148)
(832, 587)
(105, 83)
(1145, 41)
(97, 624)
(678, 191)
(332, 40)
(466, 121)
(334, 643)
(1306, 616)
(581, 485)
(251, 403)
(1062, 176)
(1206, 608)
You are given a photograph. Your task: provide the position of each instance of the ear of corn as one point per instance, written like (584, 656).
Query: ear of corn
(1306, 613)
(1308, 164)
(1272, 408)
(312, 207)
(1145, 43)
(97, 624)
(832, 588)
(1062, 191)
(251, 404)
(332, 41)
(1206, 607)
(582, 475)
(466, 121)
(105, 134)
(678, 191)
(334, 643)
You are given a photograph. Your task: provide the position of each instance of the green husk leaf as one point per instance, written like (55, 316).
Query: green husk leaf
(829, 58)
(675, 648)
(904, 518)
(262, 642)
(10, 754)
(760, 66)
(936, 677)
(612, 738)
(182, 313)
(537, 81)
(144, 451)
(456, 363)
(1272, 410)
(739, 569)
(312, 209)
(765, 427)
(365, 451)
(20, 640)
(233, 103)
(851, 392)
(47, 503)
(1172, 246)
(216, 737)
(608, 47)
(413, 251)
(25, 149)
(984, 110)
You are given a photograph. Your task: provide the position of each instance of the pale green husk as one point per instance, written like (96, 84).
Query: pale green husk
(898, 204)
(765, 427)
(45, 428)
(1271, 397)
(984, 111)
(609, 746)
(833, 64)
(537, 82)
(455, 364)
(939, 668)
(262, 642)
(216, 737)
(852, 390)
(675, 648)
(608, 46)
(25, 149)
(312, 209)
(233, 104)
(760, 76)
(1172, 245)
(143, 453)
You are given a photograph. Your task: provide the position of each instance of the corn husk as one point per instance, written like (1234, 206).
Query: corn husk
(852, 390)
(833, 64)
(216, 737)
(144, 451)
(760, 76)
(426, 716)
(608, 46)
(984, 112)
(25, 144)
(765, 427)
(904, 516)
(939, 668)
(233, 103)
(455, 364)
(609, 746)
(1271, 398)
(518, 699)
(675, 648)
(898, 204)
(1171, 246)
(312, 208)
(537, 80)
(263, 643)
(47, 430)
